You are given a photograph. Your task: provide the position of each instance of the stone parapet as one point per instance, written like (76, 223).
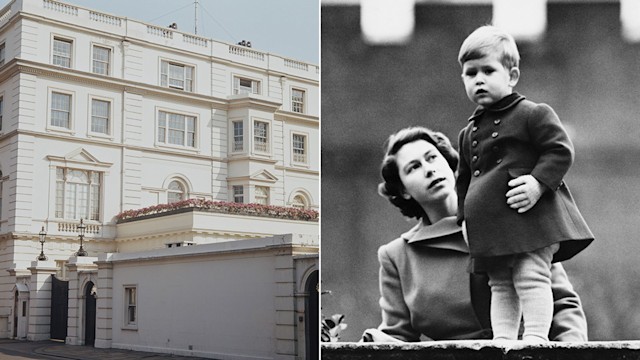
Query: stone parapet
(482, 350)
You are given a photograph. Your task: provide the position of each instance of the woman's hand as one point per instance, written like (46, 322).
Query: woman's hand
(525, 193)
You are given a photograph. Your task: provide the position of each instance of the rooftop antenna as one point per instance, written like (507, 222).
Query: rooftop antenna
(195, 21)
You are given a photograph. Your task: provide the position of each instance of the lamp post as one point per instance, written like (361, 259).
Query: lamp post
(43, 235)
(81, 228)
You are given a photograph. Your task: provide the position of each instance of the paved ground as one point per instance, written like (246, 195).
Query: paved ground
(49, 350)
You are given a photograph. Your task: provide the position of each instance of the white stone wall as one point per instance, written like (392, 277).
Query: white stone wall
(233, 300)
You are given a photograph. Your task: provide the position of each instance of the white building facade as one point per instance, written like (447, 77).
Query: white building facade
(100, 114)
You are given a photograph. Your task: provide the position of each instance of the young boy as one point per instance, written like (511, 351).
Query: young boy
(517, 210)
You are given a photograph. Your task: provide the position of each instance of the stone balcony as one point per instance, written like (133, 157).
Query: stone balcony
(482, 350)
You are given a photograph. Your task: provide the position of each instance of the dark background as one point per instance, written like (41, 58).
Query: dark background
(583, 68)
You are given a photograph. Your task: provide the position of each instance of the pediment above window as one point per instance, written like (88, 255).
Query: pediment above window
(263, 176)
(79, 158)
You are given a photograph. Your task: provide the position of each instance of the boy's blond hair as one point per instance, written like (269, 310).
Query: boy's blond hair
(490, 39)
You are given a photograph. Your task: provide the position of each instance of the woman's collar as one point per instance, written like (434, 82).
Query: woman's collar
(435, 235)
(443, 227)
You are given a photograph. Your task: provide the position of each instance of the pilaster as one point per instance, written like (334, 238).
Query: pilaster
(40, 300)
(285, 304)
(104, 311)
(79, 269)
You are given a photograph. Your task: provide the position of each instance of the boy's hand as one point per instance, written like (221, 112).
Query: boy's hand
(525, 193)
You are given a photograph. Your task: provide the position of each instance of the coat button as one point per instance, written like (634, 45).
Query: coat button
(474, 143)
(496, 121)
(474, 158)
(476, 173)
(474, 129)
(495, 134)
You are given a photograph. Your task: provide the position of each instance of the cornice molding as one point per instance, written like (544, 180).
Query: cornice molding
(289, 117)
(298, 170)
(17, 65)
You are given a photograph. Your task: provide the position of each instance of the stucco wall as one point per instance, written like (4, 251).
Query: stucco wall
(210, 306)
(230, 300)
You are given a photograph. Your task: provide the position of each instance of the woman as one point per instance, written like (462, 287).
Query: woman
(426, 291)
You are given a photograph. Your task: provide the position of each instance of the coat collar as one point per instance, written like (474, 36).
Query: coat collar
(435, 235)
(501, 105)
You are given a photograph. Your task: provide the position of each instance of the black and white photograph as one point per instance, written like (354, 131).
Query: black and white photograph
(480, 167)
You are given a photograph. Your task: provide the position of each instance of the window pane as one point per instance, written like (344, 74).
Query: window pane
(246, 86)
(262, 195)
(175, 185)
(164, 73)
(60, 110)
(176, 76)
(176, 137)
(100, 116)
(299, 202)
(238, 136)
(101, 57)
(260, 134)
(297, 101)
(238, 193)
(83, 201)
(75, 197)
(179, 129)
(175, 192)
(299, 148)
(62, 52)
(70, 201)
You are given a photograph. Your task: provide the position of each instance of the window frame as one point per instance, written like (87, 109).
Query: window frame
(234, 137)
(305, 150)
(90, 131)
(256, 85)
(267, 197)
(301, 103)
(166, 143)
(128, 324)
(93, 199)
(52, 127)
(235, 195)
(167, 83)
(66, 39)
(255, 137)
(183, 185)
(108, 62)
(304, 202)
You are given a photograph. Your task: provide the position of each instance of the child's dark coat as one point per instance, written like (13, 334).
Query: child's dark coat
(512, 138)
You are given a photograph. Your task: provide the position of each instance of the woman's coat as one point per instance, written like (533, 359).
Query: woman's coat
(427, 291)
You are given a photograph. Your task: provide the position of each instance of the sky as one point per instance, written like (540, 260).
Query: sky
(289, 28)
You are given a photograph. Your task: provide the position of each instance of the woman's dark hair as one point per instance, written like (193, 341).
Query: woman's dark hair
(392, 188)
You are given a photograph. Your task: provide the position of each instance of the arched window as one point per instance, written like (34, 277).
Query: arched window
(300, 201)
(176, 192)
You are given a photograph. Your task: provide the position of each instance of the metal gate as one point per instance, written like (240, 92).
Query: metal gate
(59, 308)
(312, 313)
(90, 314)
